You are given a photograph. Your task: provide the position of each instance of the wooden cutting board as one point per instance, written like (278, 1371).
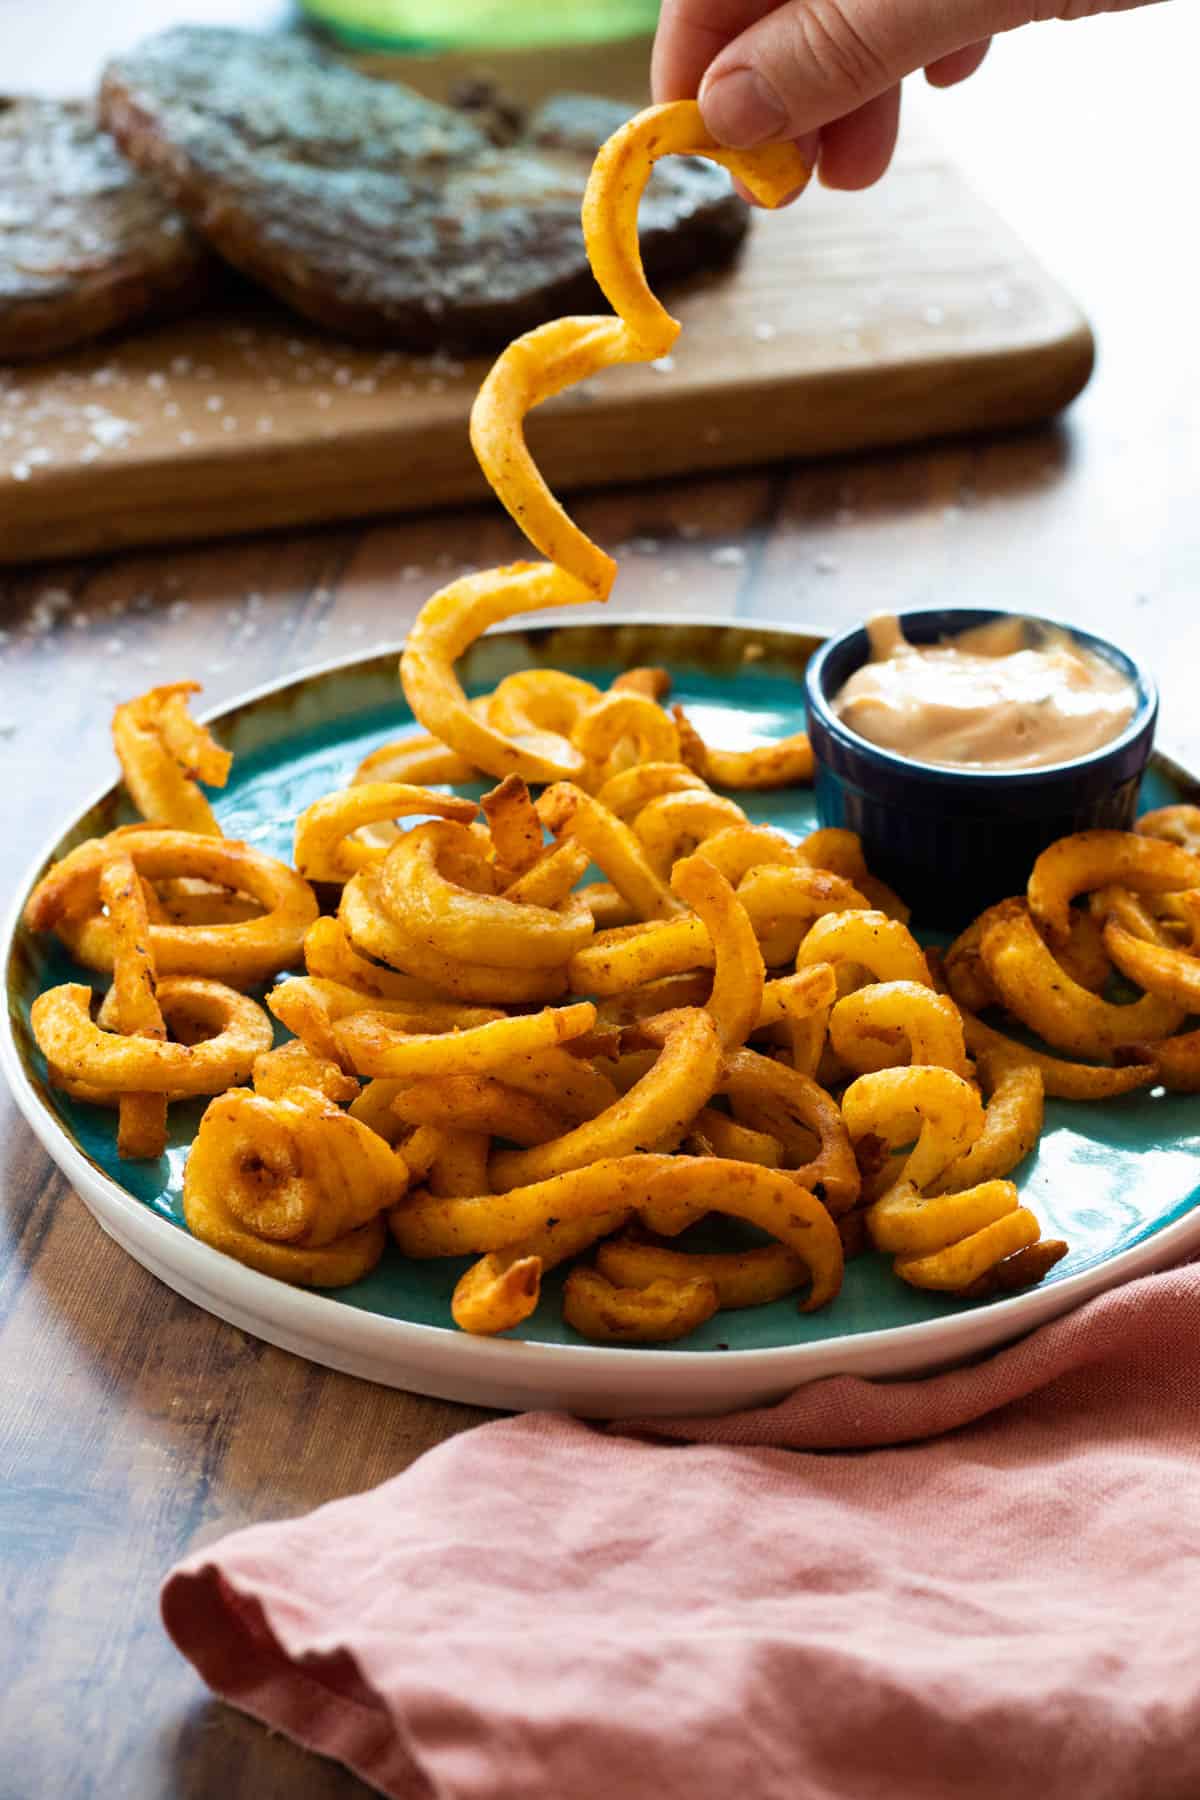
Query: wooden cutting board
(852, 320)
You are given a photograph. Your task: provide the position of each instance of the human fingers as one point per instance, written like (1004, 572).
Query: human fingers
(947, 71)
(856, 149)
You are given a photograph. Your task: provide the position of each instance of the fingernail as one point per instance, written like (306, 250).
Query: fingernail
(741, 109)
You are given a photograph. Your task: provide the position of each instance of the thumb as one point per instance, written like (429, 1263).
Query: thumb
(811, 61)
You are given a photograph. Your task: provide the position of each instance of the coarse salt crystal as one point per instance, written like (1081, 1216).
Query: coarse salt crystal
(764, 331)
(727, 556)
(663, 364)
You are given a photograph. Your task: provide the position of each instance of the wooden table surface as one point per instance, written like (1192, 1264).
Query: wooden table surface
(133, 1427)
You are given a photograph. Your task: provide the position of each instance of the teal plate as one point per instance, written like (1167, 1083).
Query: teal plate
(1119, 1181)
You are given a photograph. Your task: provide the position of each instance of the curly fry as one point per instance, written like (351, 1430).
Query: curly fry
(329, 955)
(478, 1103)
(668, 1308)
(425, 1227)
(674, 824)
(737, 991)
(959, 1265)
(461, 922)
(460, 1163)
(623, 730)
(894, 1022)
(293, 1065)
(375, 1046)
(654, 683)
(163, 753)
(786, 763)
(766, 1198)
(419, 761)
(503, 1288)
(550, 880)
(628, 792)
(937, 1108)
(1094, 859)
(1168, 971)
(883, 946)
(1012, 1125)
(741, 1277)
(771, 1097)
(566, 810)
(83, 1052)
(67, 899)
(907, 1223)
(653, 1115)
(310, 1007)
(325, 846)
(375, 930)
(514, 827)
(1176, 824)
(292, 1187)
(1040, 993)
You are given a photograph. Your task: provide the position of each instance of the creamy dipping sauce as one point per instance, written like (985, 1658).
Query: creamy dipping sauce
(1010, 694)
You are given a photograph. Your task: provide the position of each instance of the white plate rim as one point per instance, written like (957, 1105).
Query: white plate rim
(599, 1380)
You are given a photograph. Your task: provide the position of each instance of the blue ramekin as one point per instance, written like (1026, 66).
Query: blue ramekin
(952, 841)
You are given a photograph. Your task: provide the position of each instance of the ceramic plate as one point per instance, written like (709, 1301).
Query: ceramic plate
(1120, 1182)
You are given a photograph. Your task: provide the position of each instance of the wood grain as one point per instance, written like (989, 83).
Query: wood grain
(133, 1427)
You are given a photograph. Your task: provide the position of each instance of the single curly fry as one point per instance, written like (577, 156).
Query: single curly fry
(1012, 1125)
(630, 957)
(627, 793)
(667, 1309)
(478, 1103)
(786, 763)
(675, 824)
(545, 361)
(163, 753)
(141, 1118)
(1082, 955)
(68, 898)
(1013, 1274)
(375, 930)
(607, 907)
(802, 996)
(310, 1007)
(504, 1287)
(83, 1052)
(293, 1065)
(740, 848)
(566, 811)
(959, 1265)
(906, 1223)
(623, 730)
(737, 992)
(329, 955)
(325, 846)
(424, 1226)
(935, 1110)
(1095, 859)
(768, 1198)
(894, 1022)
(513, 825)
(1039, 992)
(741, 1277)
(1061, 1080)
(376, 1046)
(1176, 824)
(1170, 972)
(882, 946)
(654, 683)
(653, 1115)
(438, 903)
(420, 761)
(783, 903)
(446, 627)
(293, 1187)
(373, 1108)
(791, 1106)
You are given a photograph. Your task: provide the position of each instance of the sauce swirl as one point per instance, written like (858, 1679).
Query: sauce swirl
(1009, 694)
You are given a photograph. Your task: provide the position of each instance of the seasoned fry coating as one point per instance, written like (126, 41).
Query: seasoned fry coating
(1095, 859)
(164, 753)
(668, 1308)
(326, 848)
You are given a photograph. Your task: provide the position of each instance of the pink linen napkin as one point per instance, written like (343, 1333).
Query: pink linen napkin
(540, 1609)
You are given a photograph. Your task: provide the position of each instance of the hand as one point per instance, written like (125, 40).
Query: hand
(827, 73)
